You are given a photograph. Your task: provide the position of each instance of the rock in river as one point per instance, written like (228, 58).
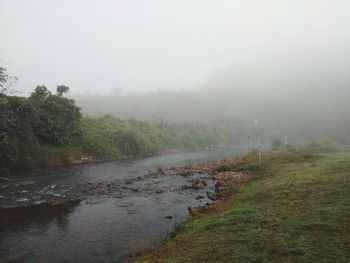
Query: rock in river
(199, 184)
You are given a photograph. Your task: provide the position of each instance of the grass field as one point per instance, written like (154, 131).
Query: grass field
(296, 208)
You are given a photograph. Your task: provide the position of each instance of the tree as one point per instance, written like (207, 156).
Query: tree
(40, 93)
(62, 89)
(58, 118)
(3, 77)
(276, 144)
(17, 140)
(7, 81)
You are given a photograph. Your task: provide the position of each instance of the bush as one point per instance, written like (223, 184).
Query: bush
(17, 140)
(58, 117)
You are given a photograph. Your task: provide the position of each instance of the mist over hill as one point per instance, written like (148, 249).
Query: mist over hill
(304, 98)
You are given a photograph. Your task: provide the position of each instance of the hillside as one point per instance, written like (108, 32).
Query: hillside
(304, 102)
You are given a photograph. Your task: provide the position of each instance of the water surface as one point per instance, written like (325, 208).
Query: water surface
(101, 212)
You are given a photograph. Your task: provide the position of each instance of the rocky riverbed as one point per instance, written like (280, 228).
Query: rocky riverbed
(105, 211)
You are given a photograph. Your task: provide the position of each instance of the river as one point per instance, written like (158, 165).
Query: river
(97, 212)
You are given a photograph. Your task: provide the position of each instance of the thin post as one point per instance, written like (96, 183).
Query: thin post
(259, 143)
(250, 144)
(285, 140)
(259, 149)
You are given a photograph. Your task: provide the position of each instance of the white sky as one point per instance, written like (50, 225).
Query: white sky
(138, 45)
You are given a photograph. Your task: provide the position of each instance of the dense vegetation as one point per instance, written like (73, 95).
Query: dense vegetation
(26, 124)
(107, 136)
(48, 129)
(295, 209)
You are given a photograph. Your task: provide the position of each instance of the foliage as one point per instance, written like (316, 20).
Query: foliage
(62, 89)
(3, 77)
(17, 140)
(58, 118)
(325, 146)
(6, 81)
(51, 155)
(276, 144)
(98, 138)
(47, 129)
(39, 94)
(109, 137)
(27, 123)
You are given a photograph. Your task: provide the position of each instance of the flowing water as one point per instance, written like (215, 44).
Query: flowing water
(101, 212)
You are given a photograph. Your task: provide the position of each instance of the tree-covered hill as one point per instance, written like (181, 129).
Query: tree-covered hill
(304, 98)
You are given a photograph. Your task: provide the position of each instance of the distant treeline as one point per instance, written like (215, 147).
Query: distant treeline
(47, 129)
(297, 106)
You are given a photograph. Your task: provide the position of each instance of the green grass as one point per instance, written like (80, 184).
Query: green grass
(296, 208)
(49, 155)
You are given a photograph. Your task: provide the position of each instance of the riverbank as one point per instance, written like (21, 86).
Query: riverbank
(48, 129)
(94, 139)
(57, 156)
(294, 208)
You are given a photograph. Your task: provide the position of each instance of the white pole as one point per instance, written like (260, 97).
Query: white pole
(250, 144)
(259, 144)
(285, 140)
(259, 151)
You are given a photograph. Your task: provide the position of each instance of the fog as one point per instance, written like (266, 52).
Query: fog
(96, 47)
(285, 63)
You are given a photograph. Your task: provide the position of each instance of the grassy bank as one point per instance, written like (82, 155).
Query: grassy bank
(48, 129)
(109, 138)
(296, 208)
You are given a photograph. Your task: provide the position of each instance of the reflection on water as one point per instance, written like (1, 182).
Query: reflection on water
(25, 217)
(100, 226)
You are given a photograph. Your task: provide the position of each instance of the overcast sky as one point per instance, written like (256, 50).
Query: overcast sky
(97, 46)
